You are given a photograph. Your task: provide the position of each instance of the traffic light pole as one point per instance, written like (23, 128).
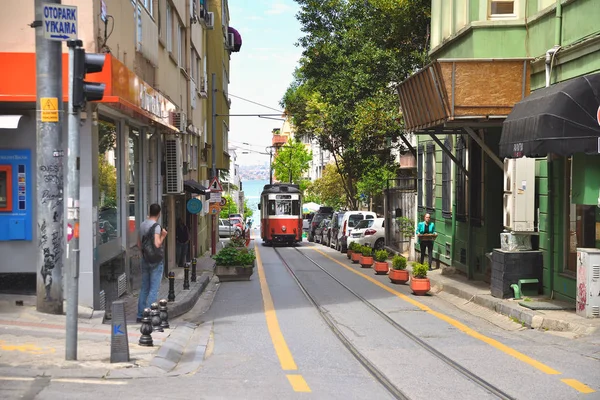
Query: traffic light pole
(215, 220)
(72, 271)
(49, 170)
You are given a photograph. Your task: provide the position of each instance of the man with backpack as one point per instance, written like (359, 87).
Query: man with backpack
(150, 240)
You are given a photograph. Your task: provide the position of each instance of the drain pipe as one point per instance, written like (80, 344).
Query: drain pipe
(549, 58)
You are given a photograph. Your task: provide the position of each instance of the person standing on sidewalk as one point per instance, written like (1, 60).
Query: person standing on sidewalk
(150, 234)
(426, 227)
(182, 240)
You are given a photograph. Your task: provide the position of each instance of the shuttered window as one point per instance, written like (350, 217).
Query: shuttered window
(420, 176)
(447, 180)
(429, 171)
(461, 180)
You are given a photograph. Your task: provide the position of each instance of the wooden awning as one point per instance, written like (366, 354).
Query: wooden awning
(463, 91)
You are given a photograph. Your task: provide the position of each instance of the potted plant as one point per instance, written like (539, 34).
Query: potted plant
(419, 282)
(398, 273)
(356, 253)
(366, 260)
(381, 264)
(350, 250)
(234, 264)
(237, 242)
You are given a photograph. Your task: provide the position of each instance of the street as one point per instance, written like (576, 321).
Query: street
(309, 323)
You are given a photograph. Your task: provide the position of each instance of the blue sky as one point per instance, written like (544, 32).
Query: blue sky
(262, 70)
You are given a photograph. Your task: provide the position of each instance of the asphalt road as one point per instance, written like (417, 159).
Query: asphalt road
(270, 341)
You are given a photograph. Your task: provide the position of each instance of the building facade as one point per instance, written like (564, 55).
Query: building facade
(145, 142)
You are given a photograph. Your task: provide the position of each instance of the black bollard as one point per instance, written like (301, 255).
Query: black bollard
(194, 269)
(146, 329)
(186, 276)
(164, 314)
(155, 318)
(171, 296)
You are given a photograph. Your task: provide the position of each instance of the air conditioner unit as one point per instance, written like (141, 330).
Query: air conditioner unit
(230, 41)
(519, 194)
(178, 119)
(174, 165)
(210, 20)
(587, 294)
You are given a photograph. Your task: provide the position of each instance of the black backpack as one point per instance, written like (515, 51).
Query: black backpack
(152, 255)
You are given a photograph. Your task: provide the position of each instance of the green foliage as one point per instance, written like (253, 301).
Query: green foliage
(381, 255)
(366, 251)
(354, 247)
(107, 183)
(248, 212)
(236, 242)
(292, 161)
(406, 226)
(107, 136)
(374, 178)
(420, 270)
(231, 256)
(230, 208)
(398, 262)
(328, 189)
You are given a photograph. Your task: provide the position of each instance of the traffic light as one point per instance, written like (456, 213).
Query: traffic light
(86, 91)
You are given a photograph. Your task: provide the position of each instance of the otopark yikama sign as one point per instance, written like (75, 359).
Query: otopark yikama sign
(59, 22)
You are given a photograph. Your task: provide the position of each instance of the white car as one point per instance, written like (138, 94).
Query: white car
(347, 224)
(369, 232)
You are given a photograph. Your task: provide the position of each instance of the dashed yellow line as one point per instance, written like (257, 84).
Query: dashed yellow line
(580, 387)
(281, 348)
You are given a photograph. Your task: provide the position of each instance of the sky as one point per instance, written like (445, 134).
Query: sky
(261, 71)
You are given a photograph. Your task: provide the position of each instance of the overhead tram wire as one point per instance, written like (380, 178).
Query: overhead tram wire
(258, 104)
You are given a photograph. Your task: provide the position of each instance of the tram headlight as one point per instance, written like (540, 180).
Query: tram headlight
(283, 228)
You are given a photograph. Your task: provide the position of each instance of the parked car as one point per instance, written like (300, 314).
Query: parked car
(323, 213)
(238, 222)
(369, 232)
(322, 230)
(334, 229)
(349, 221)
(227, 229)
(307, 218)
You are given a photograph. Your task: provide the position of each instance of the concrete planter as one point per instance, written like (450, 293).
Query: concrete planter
(234, 273)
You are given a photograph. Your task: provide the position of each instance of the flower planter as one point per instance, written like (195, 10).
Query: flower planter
(349, 254)
(234, 273)
(420, 286)
(356, 257)
(381, 267)
(398, 275)
(366, 262)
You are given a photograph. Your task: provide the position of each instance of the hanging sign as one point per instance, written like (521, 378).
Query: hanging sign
(215, 185)
(223, 202)
(194, 206)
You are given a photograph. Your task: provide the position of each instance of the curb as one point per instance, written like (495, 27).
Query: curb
(526, 317)
(186, 305)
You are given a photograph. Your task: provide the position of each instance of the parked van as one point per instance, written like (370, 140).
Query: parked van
(324, 212)
(336, 226)
(349, 221)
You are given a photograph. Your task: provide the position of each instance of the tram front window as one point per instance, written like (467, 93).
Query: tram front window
(284, 207)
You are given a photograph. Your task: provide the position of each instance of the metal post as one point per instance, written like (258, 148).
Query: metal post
(194, 276)
(49, 150)
(215, 221)
(271, 165)
(72, 271)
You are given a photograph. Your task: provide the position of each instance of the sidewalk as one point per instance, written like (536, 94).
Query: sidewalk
(563, 322)
(33, 344)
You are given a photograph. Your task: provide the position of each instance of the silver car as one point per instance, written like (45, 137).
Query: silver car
(226, 229)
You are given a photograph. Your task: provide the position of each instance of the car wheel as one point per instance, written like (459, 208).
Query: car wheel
(379, 244)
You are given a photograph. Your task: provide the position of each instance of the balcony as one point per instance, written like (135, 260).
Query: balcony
(279, 140)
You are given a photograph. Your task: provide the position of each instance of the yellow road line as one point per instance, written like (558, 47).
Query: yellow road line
(281, 348)
(298, 383)
(462, 327)
(580, 387)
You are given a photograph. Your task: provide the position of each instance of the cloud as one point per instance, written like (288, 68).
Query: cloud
(278, 8)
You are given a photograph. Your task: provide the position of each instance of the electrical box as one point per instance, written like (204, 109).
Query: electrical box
(519, 194)
(15, 195)
(587, 295)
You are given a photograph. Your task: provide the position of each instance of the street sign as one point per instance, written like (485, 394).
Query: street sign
(215, 185)
(223, 202)
(194, 206)
(59, 22)
(598, 115)
(49, 109)
(215, 197)
(69, 232)
(214, 209)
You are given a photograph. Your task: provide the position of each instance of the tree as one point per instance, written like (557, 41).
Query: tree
(107, 183)
(107, 136)
(230, 208)
(248, 212)
(291, 162)
(329, 188)
(374, 179)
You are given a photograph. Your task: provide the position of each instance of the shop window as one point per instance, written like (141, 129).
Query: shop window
(133, 180)
(447, 180)
(108, 182)
(429, 177)
(420, 176)
(461, 180)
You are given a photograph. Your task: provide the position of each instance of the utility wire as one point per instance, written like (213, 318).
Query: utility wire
(254, 102)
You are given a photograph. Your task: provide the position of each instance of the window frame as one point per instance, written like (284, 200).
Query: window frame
(169, 28)
(447, 179)
(491, 16)
(460, 151)
(420, 203)
(430, 177)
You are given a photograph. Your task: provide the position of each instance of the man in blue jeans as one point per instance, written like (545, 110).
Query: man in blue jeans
(151, 273)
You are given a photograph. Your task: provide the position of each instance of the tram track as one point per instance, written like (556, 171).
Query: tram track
(371, 368)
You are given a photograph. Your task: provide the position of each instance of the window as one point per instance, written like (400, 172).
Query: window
(138, 32)
(133, 183)
(476, 174)
(429, 171)
(447, 180)
(149, 7)
(420, 175)
(461, 180)
(108, 182)
(180, 46)
(502, 9)
(225, 138)
(169, 28)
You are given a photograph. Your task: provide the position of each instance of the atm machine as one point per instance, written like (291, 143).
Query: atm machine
(16, 204)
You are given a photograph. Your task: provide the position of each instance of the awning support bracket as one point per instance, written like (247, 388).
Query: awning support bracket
(485, 147)
(449, 154)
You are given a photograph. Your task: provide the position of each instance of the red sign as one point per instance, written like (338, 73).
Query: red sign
(598, 115)
(69, 232)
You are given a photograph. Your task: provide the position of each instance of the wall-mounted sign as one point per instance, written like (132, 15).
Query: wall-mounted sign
(194, 206)
(49, 109)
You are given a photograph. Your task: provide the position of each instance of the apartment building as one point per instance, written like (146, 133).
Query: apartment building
(146, 142)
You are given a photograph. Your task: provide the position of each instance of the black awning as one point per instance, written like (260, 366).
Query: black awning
(562, 119)
(191, 186)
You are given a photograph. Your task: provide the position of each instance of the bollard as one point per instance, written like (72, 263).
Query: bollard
(194, 269)
(171, 296)
(186, 276)
(164, 314)
(146, 329)
(155, 318)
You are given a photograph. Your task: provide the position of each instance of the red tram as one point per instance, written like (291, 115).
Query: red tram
(281, 213)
